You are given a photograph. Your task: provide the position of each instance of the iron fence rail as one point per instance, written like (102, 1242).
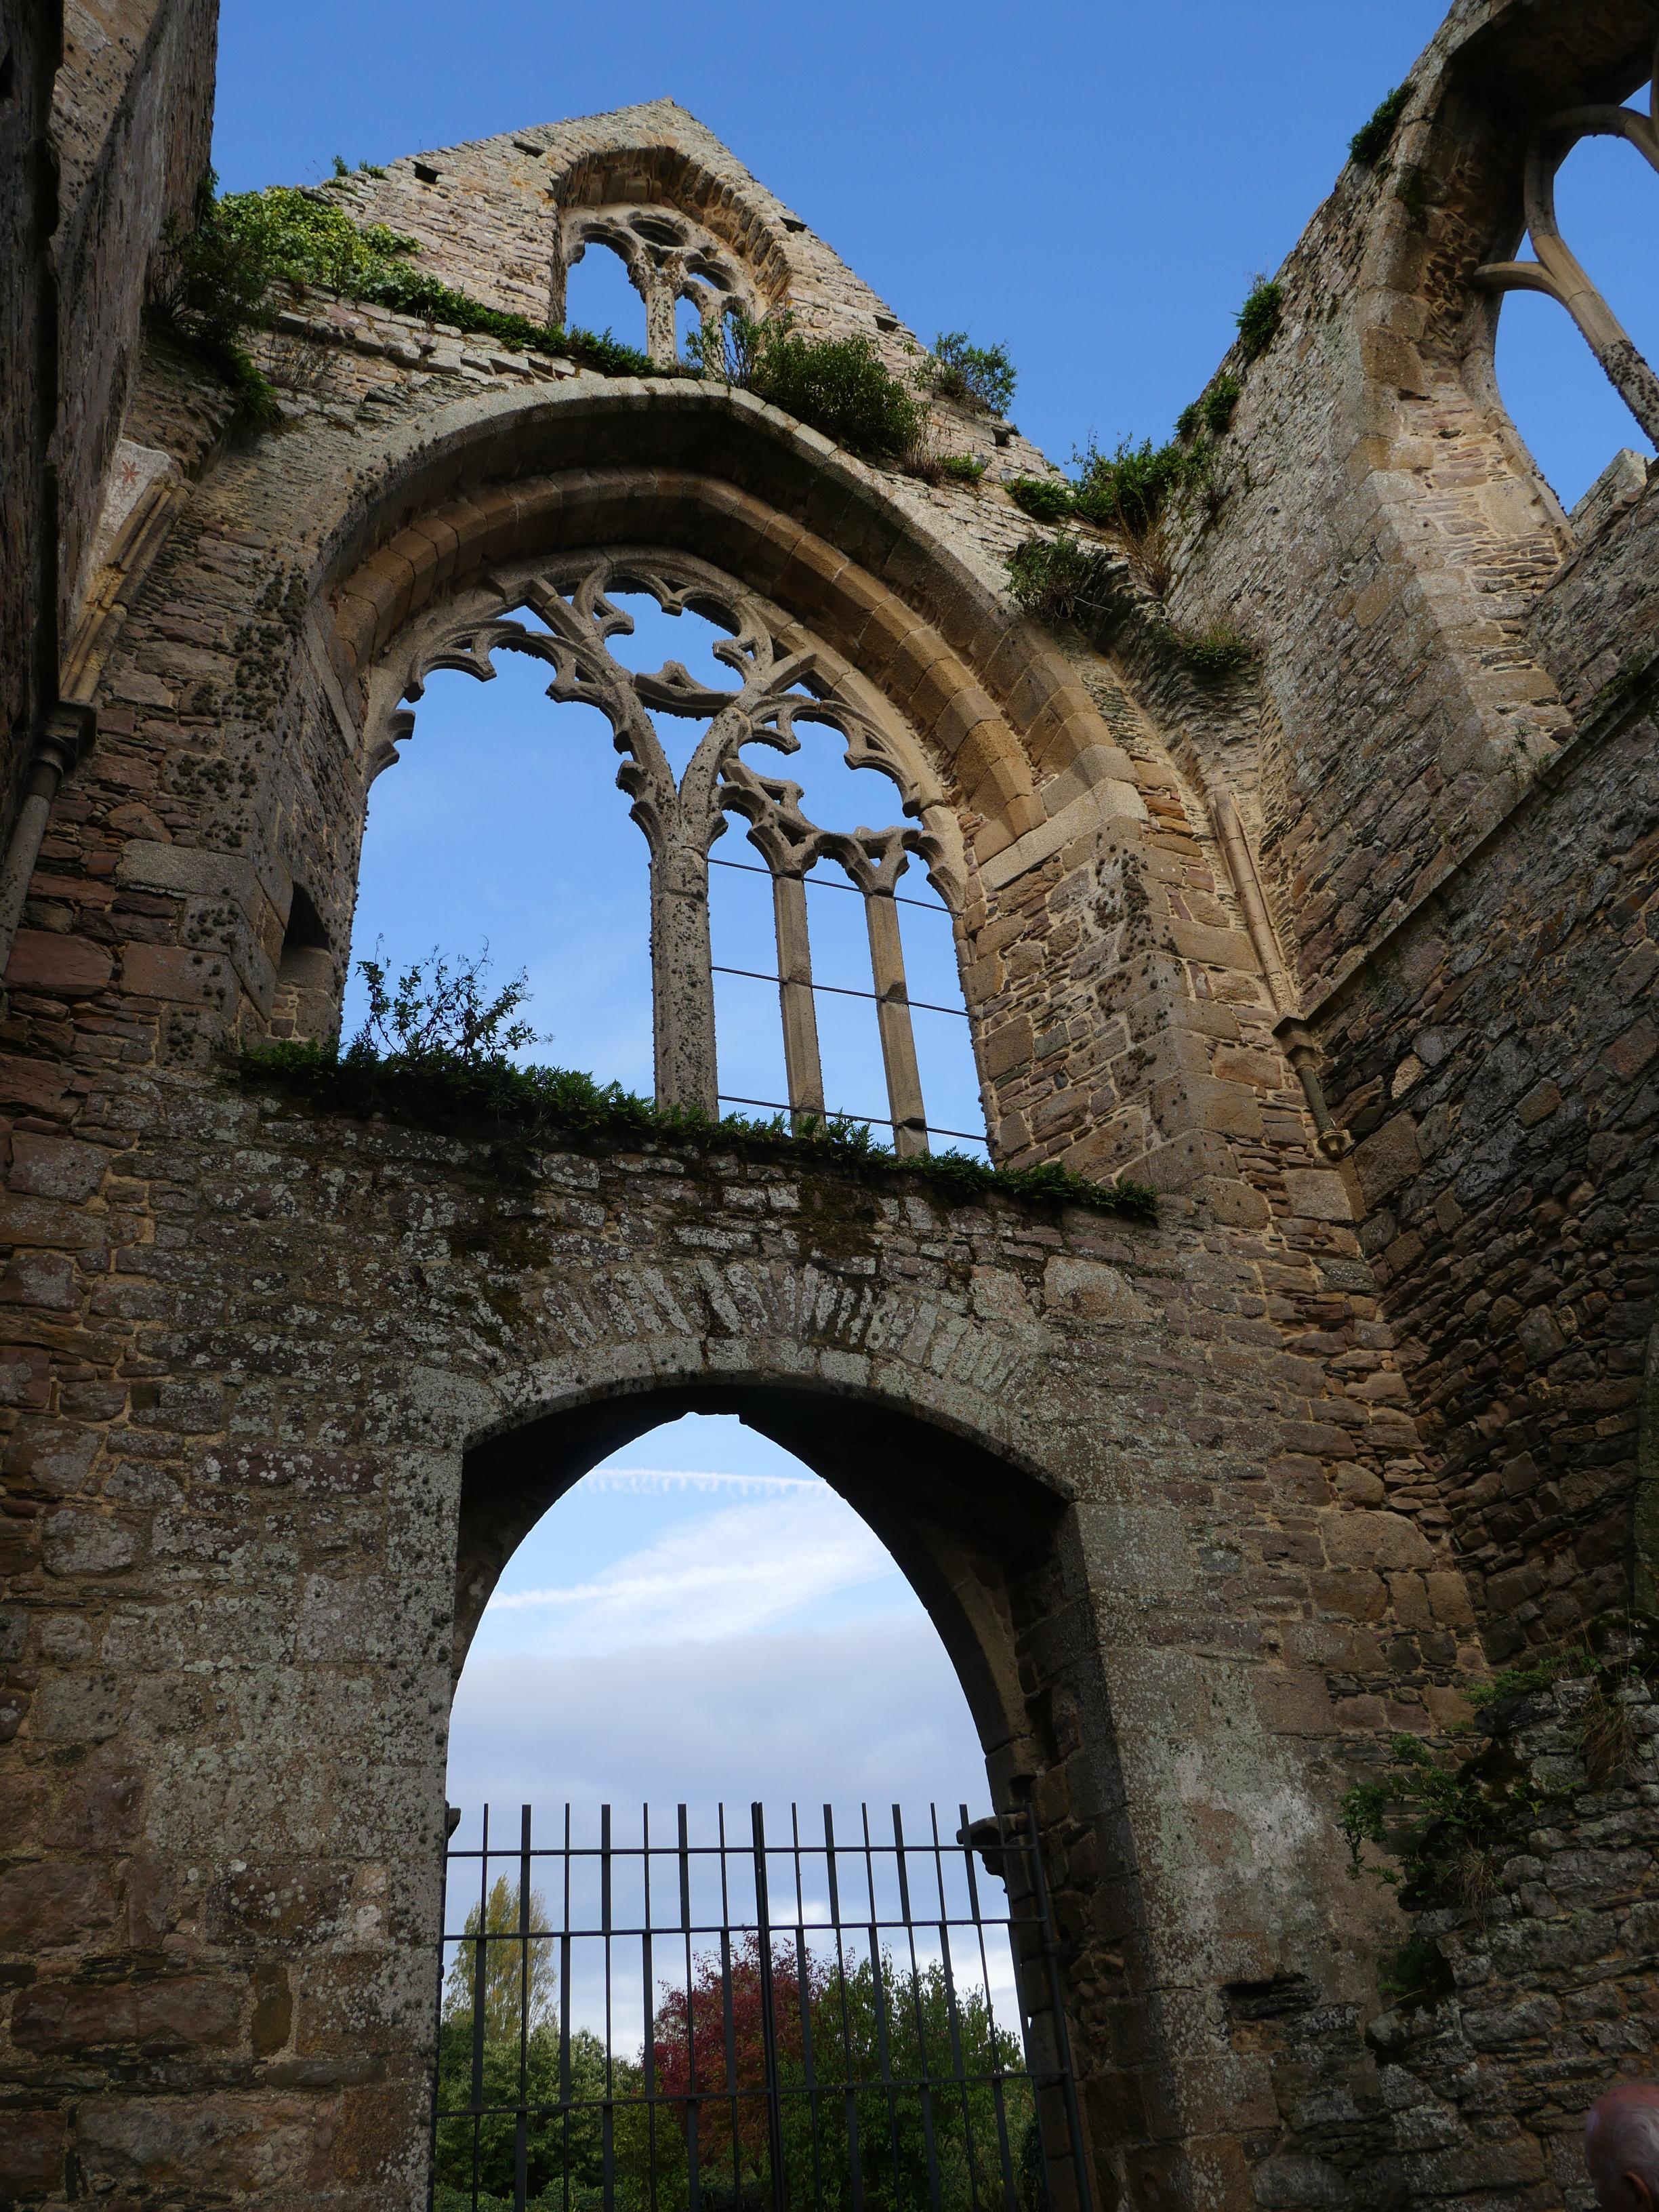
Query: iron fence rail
(756, 2024)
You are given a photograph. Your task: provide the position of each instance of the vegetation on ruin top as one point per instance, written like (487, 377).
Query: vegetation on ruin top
(840, 386)
(215, 281)
(1374, 137)
(436, 1051)
(1260, 316)
(973, 375)
(1067, 579)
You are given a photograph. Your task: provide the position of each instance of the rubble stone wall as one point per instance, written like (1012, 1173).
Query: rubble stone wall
(1456, 810)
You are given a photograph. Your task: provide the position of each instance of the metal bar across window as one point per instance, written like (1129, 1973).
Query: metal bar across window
(829, 883)
(844, 990)
(840, 1113)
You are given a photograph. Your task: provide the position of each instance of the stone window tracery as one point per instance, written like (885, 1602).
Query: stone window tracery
(669, 257)
(567, 614)
(1556, 271)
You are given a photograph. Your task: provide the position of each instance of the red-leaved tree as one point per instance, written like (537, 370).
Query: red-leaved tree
(691, 2048)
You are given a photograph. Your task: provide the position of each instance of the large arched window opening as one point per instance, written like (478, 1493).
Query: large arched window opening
(1579, 328)
(730, 1914)
(806, 966)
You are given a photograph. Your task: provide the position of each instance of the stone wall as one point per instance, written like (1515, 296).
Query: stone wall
(1457, 814)
(131, 116)
(1518, 2010)
(259, 1343)
(27, 579)
(104, 128)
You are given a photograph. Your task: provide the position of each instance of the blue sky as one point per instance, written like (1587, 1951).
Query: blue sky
(1092, 184)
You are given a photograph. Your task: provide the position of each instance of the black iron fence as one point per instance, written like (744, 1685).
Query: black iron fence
(851, 2022)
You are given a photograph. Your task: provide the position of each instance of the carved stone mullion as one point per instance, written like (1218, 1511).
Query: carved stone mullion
(661, 339)
(682, 979)
(681, 956)
(680, 817)
(803, 1064)
(899, 1042)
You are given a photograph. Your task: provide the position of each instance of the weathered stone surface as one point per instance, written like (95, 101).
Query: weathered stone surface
(1210, 1507)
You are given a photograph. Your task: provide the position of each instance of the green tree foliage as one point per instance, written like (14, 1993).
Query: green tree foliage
(876, 2031)
(518, 1969)
(564, 2136)
(979, 376)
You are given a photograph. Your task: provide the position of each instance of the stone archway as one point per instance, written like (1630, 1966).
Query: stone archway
(986, 1544)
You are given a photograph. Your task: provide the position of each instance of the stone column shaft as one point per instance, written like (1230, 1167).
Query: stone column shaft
(683, 983)
(898, 1043)
(802, 1061)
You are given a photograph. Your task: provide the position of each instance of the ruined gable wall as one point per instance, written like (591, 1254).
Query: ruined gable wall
(487, 215)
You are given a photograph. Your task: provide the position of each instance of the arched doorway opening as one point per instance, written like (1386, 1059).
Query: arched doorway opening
(750, 2001)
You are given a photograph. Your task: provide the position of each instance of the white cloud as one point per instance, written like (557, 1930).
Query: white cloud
(661, 1482)
(786, 1546)
(870, 1711)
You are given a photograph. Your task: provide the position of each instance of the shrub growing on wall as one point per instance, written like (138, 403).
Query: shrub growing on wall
(213, 282)
(981, 376)
(840, 386)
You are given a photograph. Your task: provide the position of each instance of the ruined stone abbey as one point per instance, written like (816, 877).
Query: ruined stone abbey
(1348, 952)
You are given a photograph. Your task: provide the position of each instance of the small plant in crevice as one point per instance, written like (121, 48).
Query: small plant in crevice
(1045, 499)
(1212, 411)
(927, 458)
(1374, 137)
(1260, 317)
(1417, 1974)
(1413, 193)
(1061, 579)
(1607, 1736)
(726, 348)
(1218, 655)
(1219, 405)
(976, 376)
(1438, 1824)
